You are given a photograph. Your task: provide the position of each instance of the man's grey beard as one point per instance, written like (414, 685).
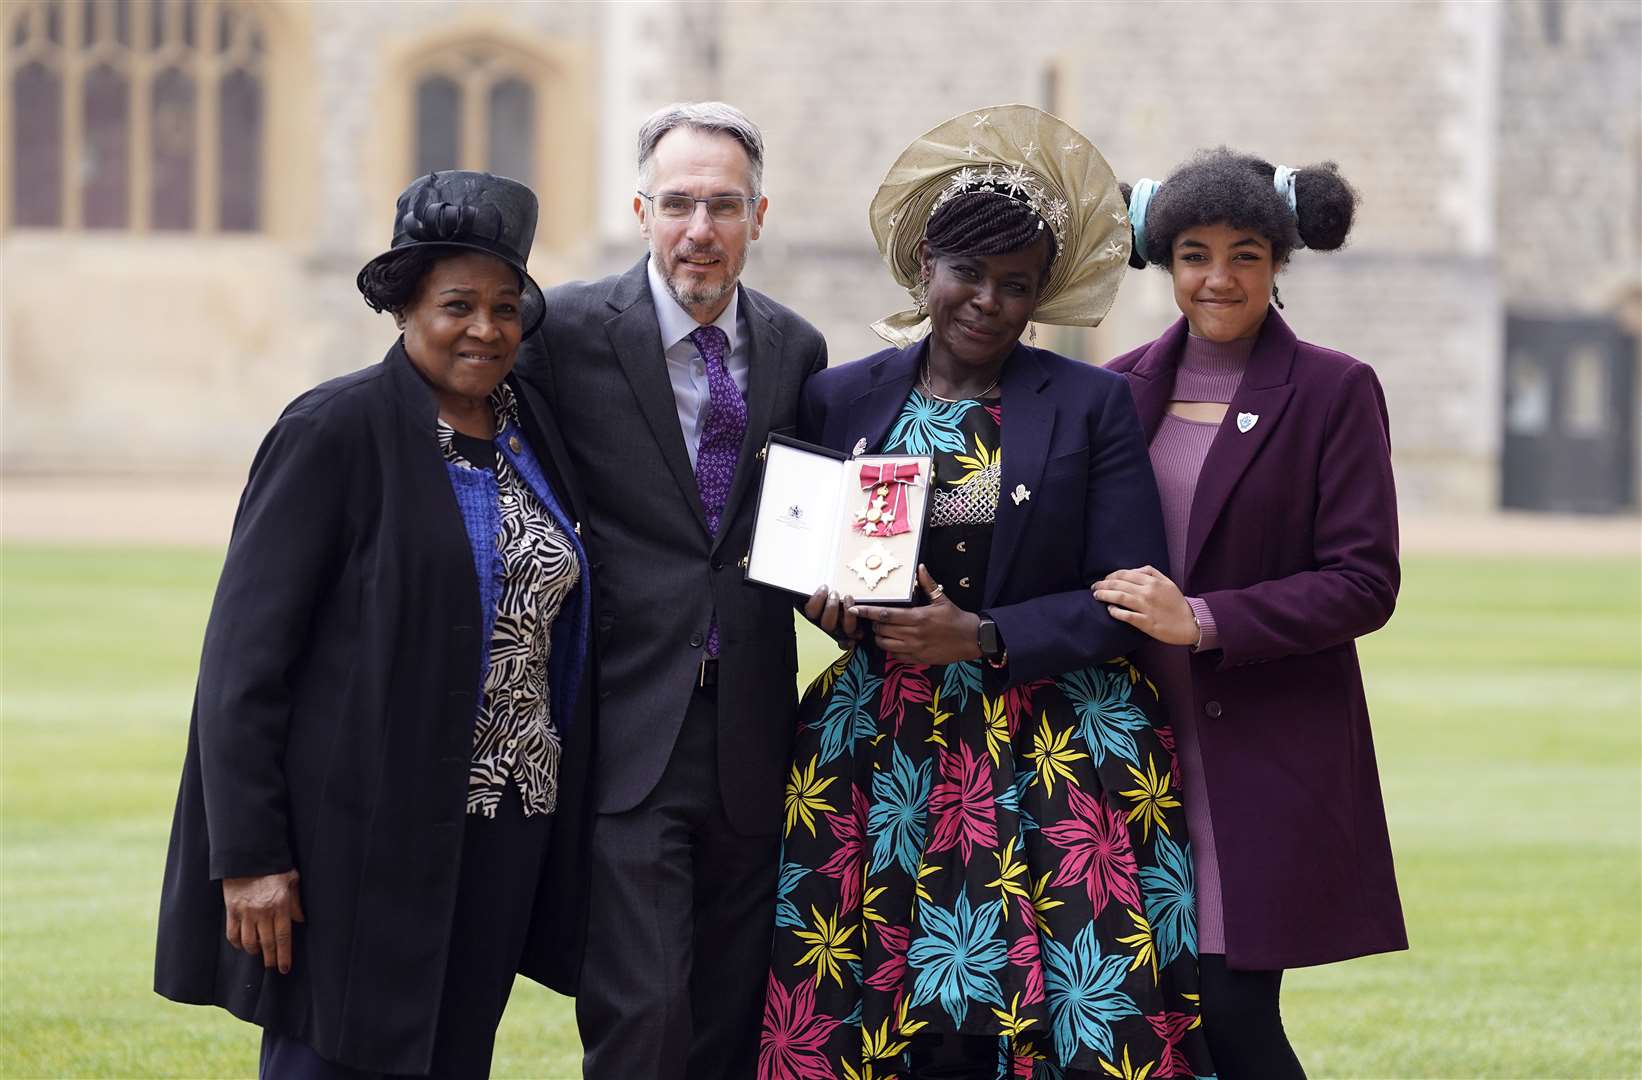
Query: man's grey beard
(704, 295)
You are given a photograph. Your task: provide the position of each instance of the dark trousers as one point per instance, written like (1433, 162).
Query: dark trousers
(678, 939)
(285, 1058)
(1243, 1023)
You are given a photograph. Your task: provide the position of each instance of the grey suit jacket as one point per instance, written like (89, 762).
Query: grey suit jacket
(658, 575)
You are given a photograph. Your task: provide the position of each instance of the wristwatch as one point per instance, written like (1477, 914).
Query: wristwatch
(991, 642)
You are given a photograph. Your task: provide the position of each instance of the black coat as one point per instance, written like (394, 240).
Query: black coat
(332, 731)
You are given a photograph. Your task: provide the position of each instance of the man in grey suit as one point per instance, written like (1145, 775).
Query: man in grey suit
(665, 381)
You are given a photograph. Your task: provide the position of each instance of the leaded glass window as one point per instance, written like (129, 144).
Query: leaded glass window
(136, 114)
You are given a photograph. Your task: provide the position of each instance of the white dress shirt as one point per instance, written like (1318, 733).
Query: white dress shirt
(686, 369)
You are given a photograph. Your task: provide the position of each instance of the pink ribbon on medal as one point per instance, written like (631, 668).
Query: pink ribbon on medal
(887, 483)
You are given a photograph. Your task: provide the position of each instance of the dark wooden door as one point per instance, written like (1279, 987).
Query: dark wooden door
(1570, 415)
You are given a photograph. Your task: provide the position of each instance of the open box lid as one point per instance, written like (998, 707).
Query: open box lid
(850, 523)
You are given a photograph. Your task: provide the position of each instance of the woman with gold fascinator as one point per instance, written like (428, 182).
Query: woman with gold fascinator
(985, 868)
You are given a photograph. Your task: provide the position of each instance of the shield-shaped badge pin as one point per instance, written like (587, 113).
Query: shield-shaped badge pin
(1246, 421)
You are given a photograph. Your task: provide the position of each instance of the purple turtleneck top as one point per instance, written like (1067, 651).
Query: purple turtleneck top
(1209, 371)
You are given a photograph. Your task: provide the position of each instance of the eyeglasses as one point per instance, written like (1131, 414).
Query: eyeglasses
(723, 209)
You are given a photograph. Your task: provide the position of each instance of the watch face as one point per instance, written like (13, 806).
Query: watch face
(989, 637)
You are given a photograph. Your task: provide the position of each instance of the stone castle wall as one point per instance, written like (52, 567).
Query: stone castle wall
(1401, 95)
(1468, 133)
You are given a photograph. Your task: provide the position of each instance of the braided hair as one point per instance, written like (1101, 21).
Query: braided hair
(987, 223)
(1224, 187)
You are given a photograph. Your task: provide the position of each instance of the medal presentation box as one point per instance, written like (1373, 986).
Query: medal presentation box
(853, 524)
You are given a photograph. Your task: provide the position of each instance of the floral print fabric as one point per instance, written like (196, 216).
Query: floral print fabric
(961, 856)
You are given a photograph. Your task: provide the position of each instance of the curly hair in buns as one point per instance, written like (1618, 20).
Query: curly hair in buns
(1224, 187)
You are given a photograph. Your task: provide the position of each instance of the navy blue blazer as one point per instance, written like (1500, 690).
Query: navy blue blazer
(1072, 445)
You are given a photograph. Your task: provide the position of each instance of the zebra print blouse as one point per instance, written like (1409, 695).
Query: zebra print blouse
(514, 736)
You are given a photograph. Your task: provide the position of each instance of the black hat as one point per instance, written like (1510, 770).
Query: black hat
(472, 210)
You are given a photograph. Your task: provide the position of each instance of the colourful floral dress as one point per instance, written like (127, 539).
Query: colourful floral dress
(964, 857)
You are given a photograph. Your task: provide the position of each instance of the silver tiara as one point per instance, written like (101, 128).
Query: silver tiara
(1015, 182)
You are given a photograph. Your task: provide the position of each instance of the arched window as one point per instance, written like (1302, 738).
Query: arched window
(519, 104)
(475, 109)
(136, 114)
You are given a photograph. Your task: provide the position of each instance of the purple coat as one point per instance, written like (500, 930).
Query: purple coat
(1292, 541)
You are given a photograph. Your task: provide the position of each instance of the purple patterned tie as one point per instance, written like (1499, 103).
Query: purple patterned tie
(722, 427)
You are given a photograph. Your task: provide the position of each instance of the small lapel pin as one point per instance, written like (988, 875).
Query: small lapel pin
(1020, 494)
(1246, 421)
(860, 447)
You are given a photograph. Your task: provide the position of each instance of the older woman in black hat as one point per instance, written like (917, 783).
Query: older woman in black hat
(380, 811)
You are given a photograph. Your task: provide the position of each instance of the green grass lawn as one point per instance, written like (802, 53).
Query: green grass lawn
(1506, 699)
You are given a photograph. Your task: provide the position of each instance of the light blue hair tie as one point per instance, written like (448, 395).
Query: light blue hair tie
(1140, 197)
(1283, 181)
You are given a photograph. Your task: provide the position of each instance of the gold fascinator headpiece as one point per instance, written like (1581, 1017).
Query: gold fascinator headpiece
(1033, 157)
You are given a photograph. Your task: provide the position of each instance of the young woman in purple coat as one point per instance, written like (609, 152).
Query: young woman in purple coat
(1273, 460)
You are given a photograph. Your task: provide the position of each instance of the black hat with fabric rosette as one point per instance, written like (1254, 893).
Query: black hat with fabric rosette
(475, 211)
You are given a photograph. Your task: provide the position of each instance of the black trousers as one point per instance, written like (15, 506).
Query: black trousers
(678, 939)
(1243, 1023)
